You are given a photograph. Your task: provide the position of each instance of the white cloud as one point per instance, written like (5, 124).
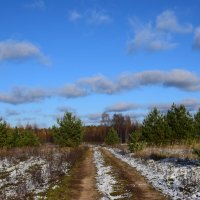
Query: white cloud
(121, 107)
(147, 38)
(196, 42)
(177, 78)
(74, 15)
(20, 50)
(190, 104)
(98, 84)
(182, 79)
(23, 95)
(37, 4)
(167, 21)
(90, 17)
(71, 91)
(98, 17)
(156, 36)
(94, 116)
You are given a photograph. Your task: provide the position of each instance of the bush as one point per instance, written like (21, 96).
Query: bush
(112, 137)
(69, 131)
(135, 144)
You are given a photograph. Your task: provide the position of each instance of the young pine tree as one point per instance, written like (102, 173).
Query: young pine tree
(180, 123)
(69, 131)
(3, 132)
(197, 123)
(112, 137)
(154, 128)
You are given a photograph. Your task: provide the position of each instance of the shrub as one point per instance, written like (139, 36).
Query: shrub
(135, 144)
(112, 137)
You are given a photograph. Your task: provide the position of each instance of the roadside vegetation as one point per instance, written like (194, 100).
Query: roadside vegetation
(28, 173)
(49, 163)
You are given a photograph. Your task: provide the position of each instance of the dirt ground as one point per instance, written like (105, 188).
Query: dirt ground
(84, 187)
(137, 184)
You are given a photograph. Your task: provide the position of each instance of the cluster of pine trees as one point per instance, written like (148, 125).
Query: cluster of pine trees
(68, 132)
(177, 125)
(16, 137)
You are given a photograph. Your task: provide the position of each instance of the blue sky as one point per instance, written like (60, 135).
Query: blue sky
(92, 56)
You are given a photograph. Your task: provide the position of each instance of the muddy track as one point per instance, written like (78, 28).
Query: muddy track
(83, 186)
(136, 183)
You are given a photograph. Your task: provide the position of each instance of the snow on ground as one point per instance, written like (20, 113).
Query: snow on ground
(105, 180)
(178, 178)
(31, 176)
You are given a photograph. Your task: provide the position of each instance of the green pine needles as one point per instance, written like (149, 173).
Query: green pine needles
(112, 137)
(69, 131)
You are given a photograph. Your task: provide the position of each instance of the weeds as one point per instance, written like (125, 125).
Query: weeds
(29, 171)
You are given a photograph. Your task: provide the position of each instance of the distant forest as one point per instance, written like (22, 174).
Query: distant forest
(175, 126)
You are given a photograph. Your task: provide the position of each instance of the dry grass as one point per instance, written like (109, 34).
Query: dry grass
(57, 161)
(68, 187)
(167, 151)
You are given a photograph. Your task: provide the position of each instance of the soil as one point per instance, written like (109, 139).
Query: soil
(84, 186)
(137, 185)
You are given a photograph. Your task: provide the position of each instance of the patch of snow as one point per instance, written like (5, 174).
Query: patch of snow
(177, 178)
(30, 176)
(105, 180)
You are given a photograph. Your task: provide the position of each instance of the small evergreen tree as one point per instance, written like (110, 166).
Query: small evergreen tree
(197, 123)
(180, 123)
(3, 132)
(154, 128)
(69, 131)
(12, 138)
(135, 141)
(25, 138)
(112, 137)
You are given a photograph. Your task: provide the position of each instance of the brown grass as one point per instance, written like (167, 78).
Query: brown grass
(167, 151)
(55, 157)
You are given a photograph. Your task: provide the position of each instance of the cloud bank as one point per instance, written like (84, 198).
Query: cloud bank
(12, 50)
(177, 78)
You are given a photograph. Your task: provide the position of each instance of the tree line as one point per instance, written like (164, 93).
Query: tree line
(176, 125)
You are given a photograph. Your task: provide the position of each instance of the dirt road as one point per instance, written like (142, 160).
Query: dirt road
(83, 185)
(136, 183)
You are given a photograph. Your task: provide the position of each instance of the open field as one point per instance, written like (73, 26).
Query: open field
(95, 173)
